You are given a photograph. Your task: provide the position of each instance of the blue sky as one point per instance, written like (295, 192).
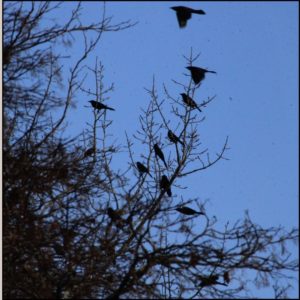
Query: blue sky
(253, 46)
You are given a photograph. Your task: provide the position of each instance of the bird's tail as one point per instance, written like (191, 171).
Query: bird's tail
(110, 108)
(198, 11)
(211, 72)
(182, 143)
(165, 164)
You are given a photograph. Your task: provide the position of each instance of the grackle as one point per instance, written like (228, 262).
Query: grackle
(89, 152)
(211, 280)
(185, 13)
(198, 74)
(142, 168)
(99, 105)
(165, 185)
(160, 154)
(174, 138)
(188, 211)
(189, 101)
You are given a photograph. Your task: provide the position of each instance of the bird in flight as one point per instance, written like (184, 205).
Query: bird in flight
(184, 13)
(99, 105)
(198, 74)
(160, 154)
(189, 101)
(165, 185)
(174, 138)
(188, 211)
(142, 168)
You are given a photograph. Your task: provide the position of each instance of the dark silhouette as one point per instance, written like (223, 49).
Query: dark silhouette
(188, 211)
(113, 215)
(174, 138)
(189, 101)
(226, 277)
(160, 154)
(165, 185)
(99, 105)
(89, 152)
(142, 168)
(211, 280)
(185, 13)
(198, 74)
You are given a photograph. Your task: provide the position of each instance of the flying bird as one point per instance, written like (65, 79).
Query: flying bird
(188, 211)
(160, 154)
(165, 185)
(211, 280)
(174, 138)
(99, 105)
(142, 168)
(198, 74)
(189, 101)
(185, 13)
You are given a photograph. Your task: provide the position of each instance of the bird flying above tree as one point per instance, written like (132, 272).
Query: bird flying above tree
(198, 74)
(184, 13)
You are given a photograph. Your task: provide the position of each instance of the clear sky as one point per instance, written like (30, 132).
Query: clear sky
(253, 46)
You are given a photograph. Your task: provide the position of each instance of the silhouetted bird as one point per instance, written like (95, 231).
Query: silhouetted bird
(160, 154)
(189, 101)
(142, 168)
(185, 13)
(165, 185)
(89, 152)
(226, 277)
(211, 280)
(188, 211)
(99, 105)
(174, 138)
(198, 74)
(113, 215)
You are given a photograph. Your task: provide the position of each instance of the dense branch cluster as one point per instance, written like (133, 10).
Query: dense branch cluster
(73, 227)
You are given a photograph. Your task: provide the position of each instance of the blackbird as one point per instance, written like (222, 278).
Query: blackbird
(99, 105)
(142, 168)
(188, 211)
(89, 152)
(165, 185)
(189, 101)
(226, 277)
(174, 138)
(198, 74)
(160, 154)
(210, 280)
(185, 13)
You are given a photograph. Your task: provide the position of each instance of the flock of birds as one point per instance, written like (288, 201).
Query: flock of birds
(198, 74)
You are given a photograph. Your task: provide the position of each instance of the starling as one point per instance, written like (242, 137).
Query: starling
(185, 13)
(160, 154)
(99, 105)
(188, 211)
(165, 185)
(174, 138)
(198, 74)
(189, 101)
(142, 168)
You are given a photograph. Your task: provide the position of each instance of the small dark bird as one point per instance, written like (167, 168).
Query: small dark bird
(142, 168)
(189, 101)
(89, 152)
(160, 154)
(188, 211)
(226, 277)
(174, 138)
(113, 215)
(211, 280)
(165, 185)
(99, 105)
(198, 74)
(185, 13)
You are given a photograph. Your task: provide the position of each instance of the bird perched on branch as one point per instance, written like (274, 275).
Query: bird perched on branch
(99, 105)
(142, 168)
(189, 101)
(185, 13)
(188, 211)
(165, 185)
(115, 217)
(174, 138)
(89, 152)
(226, 277)
(198, 74)
(160, 154)
(210, 280)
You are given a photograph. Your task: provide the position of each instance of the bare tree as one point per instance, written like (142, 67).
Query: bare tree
(73, 227)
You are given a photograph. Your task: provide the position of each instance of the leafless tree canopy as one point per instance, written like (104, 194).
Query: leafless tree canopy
(73, 227)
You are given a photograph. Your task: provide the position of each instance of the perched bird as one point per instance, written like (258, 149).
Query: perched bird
(113, 215)
(189, 101)
(198, 74)
(174, 138)
(89, 152)
(160, 154)
(226, 277)
(185, 13)
(99, 105)
(142, 168)
(188, 211)
(210, 280)
(165, 185)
